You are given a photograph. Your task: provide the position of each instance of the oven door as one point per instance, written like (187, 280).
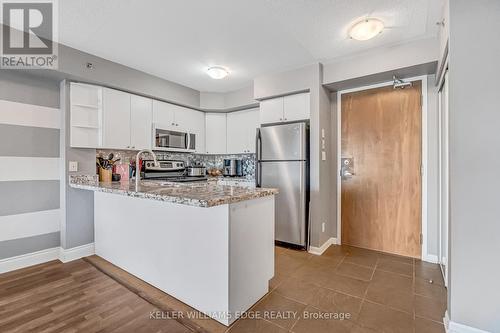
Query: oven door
(173, 139)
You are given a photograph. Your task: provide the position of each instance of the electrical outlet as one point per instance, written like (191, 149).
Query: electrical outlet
(323, 144)
(323, 155)
(323, 226)
(73, 166)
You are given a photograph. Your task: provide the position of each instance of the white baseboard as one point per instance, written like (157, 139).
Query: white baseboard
(319, 250)
(78, 252)
(29, 259)
(39, 257)
(453, 327)
(432, 258)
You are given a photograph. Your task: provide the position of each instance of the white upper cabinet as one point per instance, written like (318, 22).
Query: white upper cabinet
(241, 131)
(163, 113)
(283, 109)
(271, 110)
(296, 107)
(185, 119)
(215, 133)
(194, 122)
(85, 115)
(116, 119)
(141, 118)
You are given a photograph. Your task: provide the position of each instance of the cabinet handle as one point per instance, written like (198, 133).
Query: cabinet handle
(281, 119)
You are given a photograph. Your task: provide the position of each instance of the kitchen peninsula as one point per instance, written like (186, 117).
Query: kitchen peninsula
(209, 245)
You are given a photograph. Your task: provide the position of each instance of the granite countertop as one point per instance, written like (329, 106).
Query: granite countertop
(199, 194)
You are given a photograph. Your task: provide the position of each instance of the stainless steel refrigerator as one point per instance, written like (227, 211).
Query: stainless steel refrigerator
(282, 162)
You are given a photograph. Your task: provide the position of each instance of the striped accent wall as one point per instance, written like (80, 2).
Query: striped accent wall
(30, 172)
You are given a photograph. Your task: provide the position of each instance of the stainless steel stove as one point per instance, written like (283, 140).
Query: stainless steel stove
(168, 170)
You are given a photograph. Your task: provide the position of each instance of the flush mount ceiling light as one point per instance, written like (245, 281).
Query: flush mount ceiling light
(217, 72)
(366, 29)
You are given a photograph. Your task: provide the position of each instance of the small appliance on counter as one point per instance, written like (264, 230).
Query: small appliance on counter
(172, 171)
(196, 170)
(232, 168)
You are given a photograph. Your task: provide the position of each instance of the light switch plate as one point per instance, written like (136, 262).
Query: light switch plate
(73, 166)
(323, 155)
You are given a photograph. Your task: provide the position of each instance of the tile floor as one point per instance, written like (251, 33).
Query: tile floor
(345, 290)
(379, 292)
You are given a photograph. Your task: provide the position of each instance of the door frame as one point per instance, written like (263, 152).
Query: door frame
(423, 78)
(443, 175)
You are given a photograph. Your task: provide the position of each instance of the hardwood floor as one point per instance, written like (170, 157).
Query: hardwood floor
(73, 297)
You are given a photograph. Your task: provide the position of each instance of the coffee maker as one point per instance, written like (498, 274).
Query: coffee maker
(232, 168)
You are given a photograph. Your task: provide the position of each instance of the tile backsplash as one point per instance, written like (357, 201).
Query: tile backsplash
(209, 161)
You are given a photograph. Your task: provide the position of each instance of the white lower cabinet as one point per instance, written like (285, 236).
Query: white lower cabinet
(215, 133)
(241, 131)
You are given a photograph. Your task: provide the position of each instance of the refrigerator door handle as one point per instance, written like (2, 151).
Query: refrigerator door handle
(258, 151)
(303, 203)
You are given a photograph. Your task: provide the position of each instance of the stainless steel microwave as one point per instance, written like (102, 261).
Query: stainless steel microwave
(173, 139)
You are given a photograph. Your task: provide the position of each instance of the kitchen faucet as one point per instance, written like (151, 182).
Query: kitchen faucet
(137, 169)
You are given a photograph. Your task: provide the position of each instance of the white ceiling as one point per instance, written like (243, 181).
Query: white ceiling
(178, 39)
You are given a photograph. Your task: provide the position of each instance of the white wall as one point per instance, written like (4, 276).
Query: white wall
(72, 65)
(229, 101)
(284, 83)
(30, 161)
(474, 68)
(383, 60)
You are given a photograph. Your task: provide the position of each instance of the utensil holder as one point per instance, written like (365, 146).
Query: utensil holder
(105, 175)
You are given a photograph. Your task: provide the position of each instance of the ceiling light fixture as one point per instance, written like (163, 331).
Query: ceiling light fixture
(366, 29)
(217, 72)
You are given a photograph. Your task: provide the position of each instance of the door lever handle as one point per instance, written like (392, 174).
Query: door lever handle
(347, 174)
